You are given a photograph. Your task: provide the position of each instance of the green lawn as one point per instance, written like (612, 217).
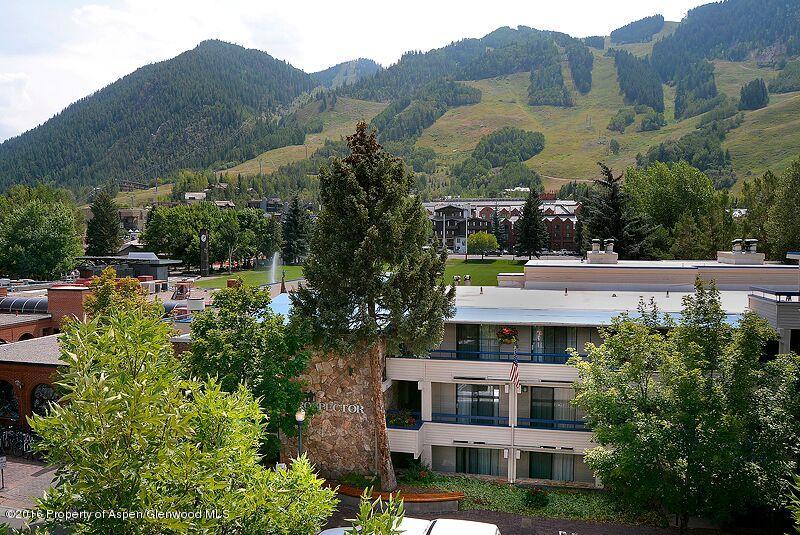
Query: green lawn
(250, 278)
(483, 272)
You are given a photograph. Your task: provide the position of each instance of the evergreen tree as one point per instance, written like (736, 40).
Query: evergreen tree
(609, 213)
(532, 235)
(374, 284)
(296, 232)
(499, 230)
(783, 227)
(104, 231)
(753, 95)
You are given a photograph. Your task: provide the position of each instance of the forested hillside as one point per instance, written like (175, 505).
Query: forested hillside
(214, 103)
(719, 90)
(346, 73)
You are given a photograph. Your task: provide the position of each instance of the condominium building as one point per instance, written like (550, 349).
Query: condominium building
(458, 410)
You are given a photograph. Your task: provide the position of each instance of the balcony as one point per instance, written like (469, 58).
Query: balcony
(464, 419)
(500, 356)
(560, 425)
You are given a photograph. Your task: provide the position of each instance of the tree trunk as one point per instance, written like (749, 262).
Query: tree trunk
(684, 523)
(385, 468)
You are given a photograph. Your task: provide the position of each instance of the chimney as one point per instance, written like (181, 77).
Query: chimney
(66, 301)
(743, 252)
(605, 255)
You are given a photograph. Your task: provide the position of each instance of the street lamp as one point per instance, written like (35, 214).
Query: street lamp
(300, 417)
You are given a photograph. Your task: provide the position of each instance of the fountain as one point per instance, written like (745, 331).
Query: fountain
(273, 270)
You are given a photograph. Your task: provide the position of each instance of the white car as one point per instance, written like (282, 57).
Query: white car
(441, 526)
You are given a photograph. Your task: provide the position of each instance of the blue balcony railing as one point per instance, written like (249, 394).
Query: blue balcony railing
(447, 418)
(501, 356)
(403, 419)
(561, 425)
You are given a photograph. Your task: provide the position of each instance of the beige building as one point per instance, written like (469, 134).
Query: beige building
(458, 411)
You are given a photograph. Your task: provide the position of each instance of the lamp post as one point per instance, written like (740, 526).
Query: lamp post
(300, 417)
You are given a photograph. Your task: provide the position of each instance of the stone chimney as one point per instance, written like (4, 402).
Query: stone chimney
(602, 255)
(743, 252)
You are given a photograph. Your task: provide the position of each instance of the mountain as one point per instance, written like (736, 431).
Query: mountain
(212, 103)
(656, 90)
(346, 73)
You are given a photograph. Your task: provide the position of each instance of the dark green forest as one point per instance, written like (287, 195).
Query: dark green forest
(210, 104)
(638, 31)
(787, 80)
(638, 81)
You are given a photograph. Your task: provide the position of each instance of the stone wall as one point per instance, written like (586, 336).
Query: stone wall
(340, 436)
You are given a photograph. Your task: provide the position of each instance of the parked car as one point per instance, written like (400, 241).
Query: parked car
(441, 526)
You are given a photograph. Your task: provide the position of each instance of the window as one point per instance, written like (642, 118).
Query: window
(482, 401)
(468, 339)
(554, 404)
(42, 396)
(559, 467)
(552, 342)
(9, 404)
(479, 461)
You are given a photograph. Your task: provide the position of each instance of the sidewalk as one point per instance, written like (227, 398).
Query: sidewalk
(24, 482)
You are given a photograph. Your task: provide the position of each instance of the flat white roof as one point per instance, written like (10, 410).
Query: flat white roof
(493, 297)
(651, 264)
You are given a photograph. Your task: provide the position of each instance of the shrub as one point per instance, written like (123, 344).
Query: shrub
(621, 120)
(536, 498)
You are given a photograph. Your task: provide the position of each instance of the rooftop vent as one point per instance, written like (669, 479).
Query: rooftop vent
(743, 252)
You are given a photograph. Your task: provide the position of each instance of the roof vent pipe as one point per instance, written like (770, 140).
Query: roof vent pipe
(609, 243)
(596, 245)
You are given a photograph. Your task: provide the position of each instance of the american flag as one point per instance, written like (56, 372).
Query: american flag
(514, 376)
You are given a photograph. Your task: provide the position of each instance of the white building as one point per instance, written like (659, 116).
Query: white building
(466, 416)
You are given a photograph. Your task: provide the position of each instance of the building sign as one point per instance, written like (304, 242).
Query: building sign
(333, 406)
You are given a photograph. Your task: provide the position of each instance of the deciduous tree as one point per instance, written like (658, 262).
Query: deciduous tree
(375, 283)
(481, 243)
(695, 419)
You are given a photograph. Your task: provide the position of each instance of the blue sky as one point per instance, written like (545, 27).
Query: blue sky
(55, 52)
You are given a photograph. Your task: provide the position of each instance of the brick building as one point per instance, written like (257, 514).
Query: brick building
(27, 373)
(25, 317)
(560, 217)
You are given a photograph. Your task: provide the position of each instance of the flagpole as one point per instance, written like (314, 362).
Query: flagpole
(513, 451)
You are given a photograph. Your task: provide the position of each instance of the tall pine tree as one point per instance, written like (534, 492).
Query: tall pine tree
(104, 231)
(296, 233)
(374, 284)
(609, 213)
(532, 236)
(499, 230)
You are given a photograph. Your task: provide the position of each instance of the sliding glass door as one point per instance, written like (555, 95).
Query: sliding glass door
(478, 404)
(480, 461)
(468, 341)
(552, 408)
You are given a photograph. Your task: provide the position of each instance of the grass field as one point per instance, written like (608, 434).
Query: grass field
(132, 199)
(338, 122)
(483, 272)
(250, 278)
(768, 139)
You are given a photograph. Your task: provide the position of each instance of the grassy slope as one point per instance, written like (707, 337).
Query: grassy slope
(575, 138)
(483, 272)
(129, 199)
(340, 121)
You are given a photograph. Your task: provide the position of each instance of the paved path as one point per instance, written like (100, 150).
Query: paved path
(523, 525)
(25, 481)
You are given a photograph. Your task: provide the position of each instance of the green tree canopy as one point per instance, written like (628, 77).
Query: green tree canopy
(609, 212)
(104, 231)
(39, 240)
(481, 243)
(693, 419)
(375, 282)
(132, 434)
(783, 226)
(243, 342)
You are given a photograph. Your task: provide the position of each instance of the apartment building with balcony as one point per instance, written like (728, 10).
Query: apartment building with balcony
(456, 408)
